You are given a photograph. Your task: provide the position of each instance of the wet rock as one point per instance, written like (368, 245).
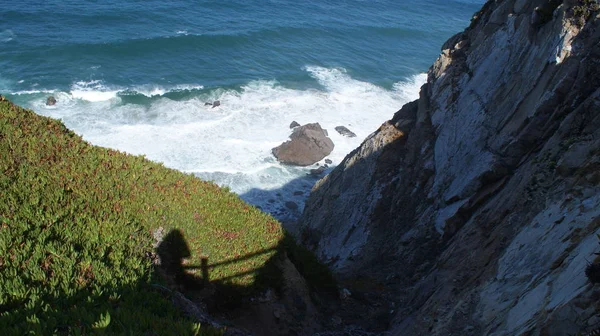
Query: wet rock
(291, 205)
(208, 104)
(345, 131)
(328, 161)
(317, 171)
(308, 145)
(216, 103)
(51, 101)
(294, 124)
(298, 193)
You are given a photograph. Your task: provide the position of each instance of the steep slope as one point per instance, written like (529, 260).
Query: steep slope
(475, 208)
(97, 241)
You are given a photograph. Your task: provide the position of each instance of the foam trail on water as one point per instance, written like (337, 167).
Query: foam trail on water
(231, 144)
(7, 35)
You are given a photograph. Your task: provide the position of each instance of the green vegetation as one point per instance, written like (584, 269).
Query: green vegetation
(76, 235)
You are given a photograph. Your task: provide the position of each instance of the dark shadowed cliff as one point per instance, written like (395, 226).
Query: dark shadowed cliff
(475, 208)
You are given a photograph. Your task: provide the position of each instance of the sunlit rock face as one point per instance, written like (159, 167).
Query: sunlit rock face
(476, 207)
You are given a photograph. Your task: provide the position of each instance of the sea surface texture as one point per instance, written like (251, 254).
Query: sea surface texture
(136, 76)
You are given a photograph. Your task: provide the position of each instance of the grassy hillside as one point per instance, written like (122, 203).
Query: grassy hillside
(77, 227)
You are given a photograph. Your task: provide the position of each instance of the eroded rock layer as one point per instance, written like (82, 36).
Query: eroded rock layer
(476, 207)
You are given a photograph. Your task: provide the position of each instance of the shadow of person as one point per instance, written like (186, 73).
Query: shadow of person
(172, 252)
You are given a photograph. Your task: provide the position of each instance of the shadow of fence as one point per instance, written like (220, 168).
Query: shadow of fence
(173, 250)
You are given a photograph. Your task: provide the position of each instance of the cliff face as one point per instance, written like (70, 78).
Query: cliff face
(476, 207)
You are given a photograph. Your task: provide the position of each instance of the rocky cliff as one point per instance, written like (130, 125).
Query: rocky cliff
(475, 209)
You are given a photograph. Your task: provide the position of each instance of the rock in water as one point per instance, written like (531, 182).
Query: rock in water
(317, 171)
(291, 205)
(345, 131)
(208, 104)
(294, 124)
(216, 103)
(308, 144)
(51, 101)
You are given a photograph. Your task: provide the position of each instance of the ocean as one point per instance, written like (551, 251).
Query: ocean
(136, 75)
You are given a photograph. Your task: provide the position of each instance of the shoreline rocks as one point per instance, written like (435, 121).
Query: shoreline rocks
(308, 144)
(343, 130)
(51, 101)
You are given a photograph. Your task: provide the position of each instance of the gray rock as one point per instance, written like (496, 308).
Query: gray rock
(345, 131)
(294, 124)
(208, 104)
(51, 101)
(574, 158)
(308, 144)
(318, 171)
(216, 103)
(471, 165)
(328, 161)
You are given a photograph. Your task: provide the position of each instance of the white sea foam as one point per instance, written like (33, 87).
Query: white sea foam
(31, 92)
(93, 91)
(158, 90)
(231, 144)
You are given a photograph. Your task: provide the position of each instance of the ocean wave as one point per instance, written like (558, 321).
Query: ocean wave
(97, 91)
(93, 91)
(158, 90)
(232, 143)
(7, 35)
(31, 92)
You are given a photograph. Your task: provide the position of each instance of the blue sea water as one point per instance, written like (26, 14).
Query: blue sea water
(135, 76)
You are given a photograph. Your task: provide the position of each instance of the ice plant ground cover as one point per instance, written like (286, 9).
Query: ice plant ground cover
(76, 233)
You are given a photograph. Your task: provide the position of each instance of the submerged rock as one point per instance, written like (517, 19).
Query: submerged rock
(343, 130)
(308, 145)
(291, 205)
(51, 101)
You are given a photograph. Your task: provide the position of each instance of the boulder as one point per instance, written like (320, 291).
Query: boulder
(216, 103)
(327, 161)
(317, 171)
(51, 101)
(294, 124)
(345, 131)
(308, 144)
